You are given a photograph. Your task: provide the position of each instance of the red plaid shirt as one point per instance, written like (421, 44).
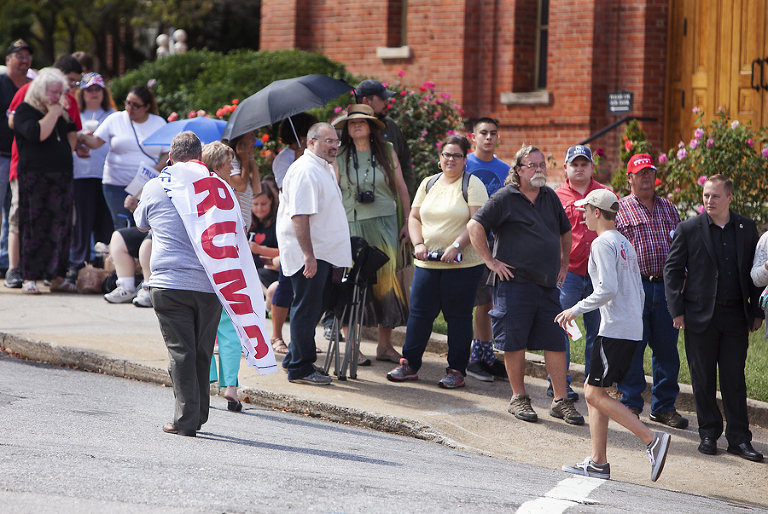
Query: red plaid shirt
(649, 232)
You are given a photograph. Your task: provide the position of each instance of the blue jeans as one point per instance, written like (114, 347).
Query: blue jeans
(574, 289)
(659, 333)
(306, 310)
(115, 197)
(451, 291)
(5, 191)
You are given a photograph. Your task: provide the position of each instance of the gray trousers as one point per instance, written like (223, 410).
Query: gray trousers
(188, 321)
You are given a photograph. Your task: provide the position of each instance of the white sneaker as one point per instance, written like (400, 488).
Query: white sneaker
(142, 297)
(590, 469)
(120, 295)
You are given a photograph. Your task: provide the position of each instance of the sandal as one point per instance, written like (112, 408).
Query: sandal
(381, 355)
(234, 405)
(279, 346)
(30, 287)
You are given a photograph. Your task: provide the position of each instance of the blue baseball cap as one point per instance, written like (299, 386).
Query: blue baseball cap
(578, 151)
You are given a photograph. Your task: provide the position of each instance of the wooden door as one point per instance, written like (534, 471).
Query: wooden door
(715, 59)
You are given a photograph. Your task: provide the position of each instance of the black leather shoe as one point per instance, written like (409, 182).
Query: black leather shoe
(745, 451)
(708, 446)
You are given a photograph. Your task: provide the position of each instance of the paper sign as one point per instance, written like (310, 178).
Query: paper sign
(143, 175)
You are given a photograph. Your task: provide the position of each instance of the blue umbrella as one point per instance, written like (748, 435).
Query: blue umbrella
(207, 129)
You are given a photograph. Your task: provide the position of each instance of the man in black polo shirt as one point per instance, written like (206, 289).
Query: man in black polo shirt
(529, 261)
(17, 62)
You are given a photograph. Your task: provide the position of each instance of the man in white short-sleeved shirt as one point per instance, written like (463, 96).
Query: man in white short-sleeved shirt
(313, 236)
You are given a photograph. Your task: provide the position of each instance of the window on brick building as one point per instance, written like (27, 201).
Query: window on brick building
(397, 32)
(542, 31)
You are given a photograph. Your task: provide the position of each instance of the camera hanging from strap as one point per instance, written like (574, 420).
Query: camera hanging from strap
(364, 196)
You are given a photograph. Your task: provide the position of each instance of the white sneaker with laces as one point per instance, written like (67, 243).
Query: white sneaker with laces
(120, 295)
(142, 297)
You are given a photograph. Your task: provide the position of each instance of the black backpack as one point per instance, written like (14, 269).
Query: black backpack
(464, 184)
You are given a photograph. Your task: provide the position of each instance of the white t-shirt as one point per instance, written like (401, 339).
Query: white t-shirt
(93, 166)
(125, 155)
(280, 165)
(245, 199)
(618, 290)
(310, 188)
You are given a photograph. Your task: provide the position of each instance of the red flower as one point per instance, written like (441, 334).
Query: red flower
(628, 145)
(658, 182)
(265, 138)
(235, 101)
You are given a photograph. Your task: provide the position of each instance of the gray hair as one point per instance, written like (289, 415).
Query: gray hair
(315, 129)
(46, 78)
(525, 151)
(185, 147)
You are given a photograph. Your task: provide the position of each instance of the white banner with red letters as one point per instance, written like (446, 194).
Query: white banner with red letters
(211, 216)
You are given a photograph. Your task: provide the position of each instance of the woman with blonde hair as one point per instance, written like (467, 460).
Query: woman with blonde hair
(45, 136)
(218, 158)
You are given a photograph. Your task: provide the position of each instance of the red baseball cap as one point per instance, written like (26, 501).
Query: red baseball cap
(639, 162)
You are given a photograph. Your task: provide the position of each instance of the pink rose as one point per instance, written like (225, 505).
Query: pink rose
(403, 93)
(710, 142)
(694, 144)
(337, 110)
(735, 124)
(669, 195)
(695, 110)
(385, 84)
(681, 154)
(681, 145)
(662, 159)
(173, 116)
(750, 142)
(192, 114)
(401, 73)
(201, 113)
(677, 190)
(698, 133)
(765, 152)
(702, 180)
(445, 95)
(700, 209)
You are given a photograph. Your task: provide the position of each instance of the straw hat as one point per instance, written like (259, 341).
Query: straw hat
(359, 111)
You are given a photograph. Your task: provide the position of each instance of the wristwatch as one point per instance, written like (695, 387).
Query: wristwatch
(456, 245)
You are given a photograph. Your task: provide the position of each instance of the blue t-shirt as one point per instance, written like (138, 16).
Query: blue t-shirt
(493, 173)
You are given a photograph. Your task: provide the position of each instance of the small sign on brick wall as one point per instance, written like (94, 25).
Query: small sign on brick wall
(620, 102)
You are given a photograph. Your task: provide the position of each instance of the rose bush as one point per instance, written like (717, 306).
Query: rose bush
(720, 147)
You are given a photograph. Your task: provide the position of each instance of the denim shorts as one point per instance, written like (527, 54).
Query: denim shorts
(523, 317)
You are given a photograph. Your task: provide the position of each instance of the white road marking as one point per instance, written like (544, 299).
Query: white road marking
(571, 491)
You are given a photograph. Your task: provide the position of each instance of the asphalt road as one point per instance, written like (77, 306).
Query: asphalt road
(72, 441)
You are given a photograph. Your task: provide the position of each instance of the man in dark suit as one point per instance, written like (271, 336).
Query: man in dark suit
(717, 305)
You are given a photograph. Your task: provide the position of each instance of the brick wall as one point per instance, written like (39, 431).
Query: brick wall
(477, 50)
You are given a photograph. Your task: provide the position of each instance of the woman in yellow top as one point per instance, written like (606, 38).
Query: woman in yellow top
(371, 183)
(442, 281)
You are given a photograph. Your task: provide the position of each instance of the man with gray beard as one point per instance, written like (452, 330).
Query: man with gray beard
(529, 261)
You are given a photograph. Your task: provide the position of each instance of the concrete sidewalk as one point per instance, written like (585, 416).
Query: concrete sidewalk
(86, 332)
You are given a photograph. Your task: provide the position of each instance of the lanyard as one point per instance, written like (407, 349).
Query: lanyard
(357, 176)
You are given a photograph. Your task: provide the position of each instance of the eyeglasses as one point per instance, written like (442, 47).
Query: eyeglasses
(645, 171)
(454, 156)
(134, 104)
(332, 142)
(22, 57)
(533, 166)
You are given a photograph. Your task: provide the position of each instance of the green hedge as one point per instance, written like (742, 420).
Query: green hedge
(208, 80)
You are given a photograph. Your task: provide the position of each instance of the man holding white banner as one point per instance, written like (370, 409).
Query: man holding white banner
(196, 268)
(313, 236)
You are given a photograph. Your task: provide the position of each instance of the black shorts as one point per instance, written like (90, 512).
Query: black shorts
(611, 360)
(133, 238)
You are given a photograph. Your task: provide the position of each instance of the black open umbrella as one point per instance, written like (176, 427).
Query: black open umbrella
(281, 99)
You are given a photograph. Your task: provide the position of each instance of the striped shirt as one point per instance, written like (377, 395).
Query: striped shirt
(649, 232)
